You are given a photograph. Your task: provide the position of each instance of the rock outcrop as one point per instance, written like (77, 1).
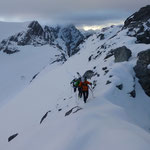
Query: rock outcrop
(122, 54)
(42, 119)
(138, 25)
(142, 70)
(73, 110)
(12, 137)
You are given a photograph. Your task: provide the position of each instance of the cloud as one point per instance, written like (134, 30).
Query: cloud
(69, 11)
(91, 17)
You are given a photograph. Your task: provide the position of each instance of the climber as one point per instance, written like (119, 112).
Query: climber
(79, 88)
(85, 89)
(73, 82)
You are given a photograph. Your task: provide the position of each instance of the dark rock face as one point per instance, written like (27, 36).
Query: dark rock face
(101, 36)
(35, 29)
(42, 119)
(108, 82)
(144, 38)
(50, 34)
(122, 54)
(72, 38)
(141, 16)
(104, 68)
(120, 86)
(34, 77)
(73, 110)
(10, 51)
(12, 137)
(142, 71)
(26, 38)
(106, 71)
(138, 25)
(133, 93)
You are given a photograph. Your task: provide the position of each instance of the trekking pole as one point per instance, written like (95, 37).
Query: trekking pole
(92, 92)
(71, 89)
(76, 99)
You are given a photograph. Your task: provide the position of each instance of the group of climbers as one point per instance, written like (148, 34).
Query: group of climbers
(82, 85)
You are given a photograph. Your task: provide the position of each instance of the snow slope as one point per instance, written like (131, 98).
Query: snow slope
(112, 119)
(17, 70)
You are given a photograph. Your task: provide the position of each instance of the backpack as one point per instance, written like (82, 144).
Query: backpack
(84, 86)
(77, 83)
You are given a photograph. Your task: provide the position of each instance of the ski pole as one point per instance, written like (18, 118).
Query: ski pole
(92, 92)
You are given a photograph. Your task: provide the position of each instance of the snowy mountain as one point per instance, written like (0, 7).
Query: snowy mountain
(66, 38)
(46, 114)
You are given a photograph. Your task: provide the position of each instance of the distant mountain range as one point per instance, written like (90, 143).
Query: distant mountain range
(67, 38)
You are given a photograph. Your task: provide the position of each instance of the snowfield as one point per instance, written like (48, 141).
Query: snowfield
(110, 120)
(19, 69)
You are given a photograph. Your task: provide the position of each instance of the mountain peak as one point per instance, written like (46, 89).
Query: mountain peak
(35, 28)
(33, 23)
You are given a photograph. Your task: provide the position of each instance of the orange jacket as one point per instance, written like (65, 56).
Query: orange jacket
(84, 85)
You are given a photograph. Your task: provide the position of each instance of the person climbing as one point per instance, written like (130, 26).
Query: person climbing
(85, 89)
(79, 88)
(73, 82)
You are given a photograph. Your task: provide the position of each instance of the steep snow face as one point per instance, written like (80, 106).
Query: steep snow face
(18, 70)
(111, 119)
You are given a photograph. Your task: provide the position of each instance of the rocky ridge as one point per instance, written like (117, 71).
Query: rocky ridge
(138, 25)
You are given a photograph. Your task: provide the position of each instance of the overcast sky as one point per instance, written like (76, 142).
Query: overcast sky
(80, 12)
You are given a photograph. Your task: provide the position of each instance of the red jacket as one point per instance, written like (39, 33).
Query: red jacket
(84, 85)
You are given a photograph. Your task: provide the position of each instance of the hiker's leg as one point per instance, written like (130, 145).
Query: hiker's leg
(87, 94)
(80, 92)
(84, 96)
(74, 89)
